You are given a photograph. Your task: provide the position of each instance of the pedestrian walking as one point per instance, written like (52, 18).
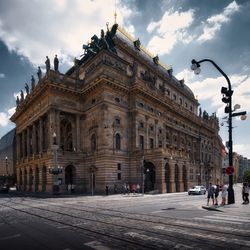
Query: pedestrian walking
(224, 195)
(216, 194)
(128, 189)
(138, 188)
(210, 193)
(124, 188)
(107, 190)
(245, 193)
(133, 188)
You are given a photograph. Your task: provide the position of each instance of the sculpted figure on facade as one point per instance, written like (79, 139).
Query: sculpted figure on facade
(27, 88)
(33, 83)
(56, 63)
(39, 74)
(47, 64)
(22, 96)
(200, 112)
(17, 101)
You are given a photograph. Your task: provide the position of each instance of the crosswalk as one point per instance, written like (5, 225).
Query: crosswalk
(224, 219)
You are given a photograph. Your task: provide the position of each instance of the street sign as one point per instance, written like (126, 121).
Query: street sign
(229, 170)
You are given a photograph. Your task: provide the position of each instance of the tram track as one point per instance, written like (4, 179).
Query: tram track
(125, 223)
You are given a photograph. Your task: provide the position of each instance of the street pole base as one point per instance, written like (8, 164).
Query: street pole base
(230, 199)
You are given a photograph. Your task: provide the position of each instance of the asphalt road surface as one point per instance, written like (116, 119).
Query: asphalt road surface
(167, 221)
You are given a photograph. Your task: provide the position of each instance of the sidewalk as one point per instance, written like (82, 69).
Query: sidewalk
(237, 207)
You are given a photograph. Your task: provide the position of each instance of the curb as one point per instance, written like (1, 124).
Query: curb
(211, 208)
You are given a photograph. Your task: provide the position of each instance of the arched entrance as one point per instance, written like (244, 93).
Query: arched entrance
(149, 176)
(176, 178)
(185, 178)
(167, 177)
(44, 178)
(69, 175)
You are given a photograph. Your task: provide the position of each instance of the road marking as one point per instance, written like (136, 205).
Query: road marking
(145, 237)
(233, 216)
(227, 218)
(96, 245)
(205, 236)
(217, 220)
(10, 237)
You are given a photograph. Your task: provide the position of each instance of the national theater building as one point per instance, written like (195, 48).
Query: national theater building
(117, 116)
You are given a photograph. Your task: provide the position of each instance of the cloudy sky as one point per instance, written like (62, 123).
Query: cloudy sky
(177, 31)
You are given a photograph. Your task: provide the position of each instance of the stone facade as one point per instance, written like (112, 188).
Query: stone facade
(118, 118)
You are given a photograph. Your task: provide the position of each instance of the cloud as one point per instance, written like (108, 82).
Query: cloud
(208, 89)
(2, 75)
(214, 23)
(4, 117)
(244, 149)
(169, 30)
(49, 28)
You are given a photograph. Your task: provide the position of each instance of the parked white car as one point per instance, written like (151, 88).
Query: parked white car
(197, 190)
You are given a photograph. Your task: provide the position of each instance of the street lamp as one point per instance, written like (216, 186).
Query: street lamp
(6, 166)
(227, 98)
(55, 170)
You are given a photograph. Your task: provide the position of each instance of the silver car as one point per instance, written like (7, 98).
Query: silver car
(197, 190)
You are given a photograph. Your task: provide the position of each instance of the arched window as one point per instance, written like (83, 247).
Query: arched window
(93, 142)
(66, 135)
(117, 141)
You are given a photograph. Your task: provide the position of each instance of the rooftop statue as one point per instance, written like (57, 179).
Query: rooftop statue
(27, 88)
(33, 84)
(17, 101)
(47, 63)
(105, 42)
(22, 96)
(56, 63)
(39, 73)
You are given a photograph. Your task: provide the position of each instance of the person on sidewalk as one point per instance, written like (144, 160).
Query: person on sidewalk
(224, 195)
(216, 194)
(210, 193)
(245, 193)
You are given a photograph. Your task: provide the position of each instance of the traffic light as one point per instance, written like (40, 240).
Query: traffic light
(226, 97)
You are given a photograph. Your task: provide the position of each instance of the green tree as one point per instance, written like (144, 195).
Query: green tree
(246, 176)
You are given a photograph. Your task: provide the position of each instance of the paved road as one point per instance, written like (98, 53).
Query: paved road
(167, 221)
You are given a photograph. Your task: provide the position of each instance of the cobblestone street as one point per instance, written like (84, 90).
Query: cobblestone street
(169, 221)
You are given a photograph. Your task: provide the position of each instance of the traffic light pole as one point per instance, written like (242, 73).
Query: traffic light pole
(230, 142)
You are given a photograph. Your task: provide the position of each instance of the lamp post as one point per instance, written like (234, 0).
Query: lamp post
(6, 166)
(227, 92)
(55, 170)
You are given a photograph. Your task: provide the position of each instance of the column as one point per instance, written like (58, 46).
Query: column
(172, 173)
(28, 141)
(180, 177)
(147, 139)
(40, 138)
(23, 144)
(51, 127)
(18, 147)
(34, 138)
(78, 135)
(156, 134)
(57, 127)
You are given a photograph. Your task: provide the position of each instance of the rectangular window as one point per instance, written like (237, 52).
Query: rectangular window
(151, 143)
(141, 142)
(118, 166)
(119, 176)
